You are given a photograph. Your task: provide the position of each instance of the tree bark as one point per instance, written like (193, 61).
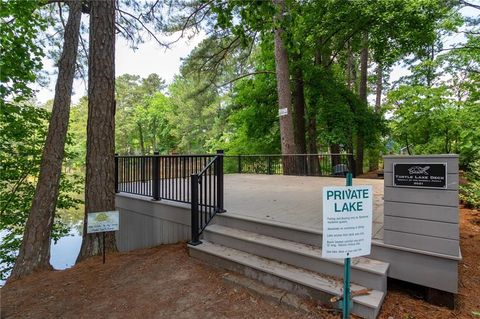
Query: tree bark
(100, 179)
(299, 121)
(374, 154)
(379, 89)
(142, 140)
(349, 66)
(284, 93)
(299, 112)
(313, 161)
(363, 97)
(314, 168)
(335, 149)
(34, 254)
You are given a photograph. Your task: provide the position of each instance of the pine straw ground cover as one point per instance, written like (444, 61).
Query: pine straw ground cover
(164, 282)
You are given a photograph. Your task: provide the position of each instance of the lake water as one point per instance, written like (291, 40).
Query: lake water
(64, 253)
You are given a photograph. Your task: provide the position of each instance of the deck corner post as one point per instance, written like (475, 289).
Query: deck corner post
(351, 164)
(116, 173)
(219, 173)
(195, 240)
(156, 176)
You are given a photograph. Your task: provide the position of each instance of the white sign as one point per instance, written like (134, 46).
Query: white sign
(347, 221)
(282, 112)
(102, 221)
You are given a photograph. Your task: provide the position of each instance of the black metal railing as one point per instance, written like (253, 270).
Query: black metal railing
(159, 176)
(294, 164)
(207, 196)
(199, 179)
(193, 179)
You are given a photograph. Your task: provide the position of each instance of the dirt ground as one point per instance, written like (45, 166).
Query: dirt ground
(164, 282)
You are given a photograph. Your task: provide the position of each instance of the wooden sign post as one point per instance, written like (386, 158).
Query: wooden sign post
(102, 222)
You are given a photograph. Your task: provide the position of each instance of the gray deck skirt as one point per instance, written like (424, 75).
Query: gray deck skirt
(145, 223)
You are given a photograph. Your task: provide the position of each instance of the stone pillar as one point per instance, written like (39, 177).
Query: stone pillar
(420, 209)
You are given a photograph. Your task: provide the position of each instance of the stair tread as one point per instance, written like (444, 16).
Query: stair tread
(301, 276)
(360, 263)
(271, 223)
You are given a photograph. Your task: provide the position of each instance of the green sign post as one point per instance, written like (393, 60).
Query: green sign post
(346, 304)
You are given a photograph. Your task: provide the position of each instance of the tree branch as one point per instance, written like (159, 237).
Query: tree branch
(152, 34)
(468, 4)
(244, 76)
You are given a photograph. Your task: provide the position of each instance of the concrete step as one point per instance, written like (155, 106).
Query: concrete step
(275, 229)
(280, 275)
(366, 272)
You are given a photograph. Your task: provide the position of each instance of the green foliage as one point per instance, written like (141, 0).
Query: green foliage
(154, 118)
(77, 136)
(195, 110)
(424, 119)
(21, 54)
(253, 118)
(22, 135)
(435, 110)
(141, 122)
(470, 193)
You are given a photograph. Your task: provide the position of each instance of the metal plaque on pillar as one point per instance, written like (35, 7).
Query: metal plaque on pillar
(428, 175)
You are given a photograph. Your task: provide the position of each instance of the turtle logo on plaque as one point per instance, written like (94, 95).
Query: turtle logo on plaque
(418, 170)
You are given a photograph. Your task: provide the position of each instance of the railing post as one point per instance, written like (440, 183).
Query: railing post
(194, 212)
(269, 167)
(219, 173)
(143, 168)
(352, 164)
(116, 173)
(239, 164)
(156, 176)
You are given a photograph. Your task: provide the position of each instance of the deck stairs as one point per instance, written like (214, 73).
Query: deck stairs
(289, 257)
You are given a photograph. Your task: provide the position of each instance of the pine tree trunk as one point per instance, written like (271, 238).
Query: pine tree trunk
(299, 121)
(335, 149)
(100, 179)
(34, 254)
(374, 155)
(379, 89)
(142, 140)
(299, 112)
(314, 168)
(349, 66)
(284, 93)
(363, 97)
(313, 161)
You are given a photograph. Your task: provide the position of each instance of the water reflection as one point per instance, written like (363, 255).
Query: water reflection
(64, 253)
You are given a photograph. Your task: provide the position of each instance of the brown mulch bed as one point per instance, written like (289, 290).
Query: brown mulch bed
(164, 282)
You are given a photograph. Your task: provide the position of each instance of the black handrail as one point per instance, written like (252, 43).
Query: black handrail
(158, 176)
(170, 176)
(207, 196)
(291, 164)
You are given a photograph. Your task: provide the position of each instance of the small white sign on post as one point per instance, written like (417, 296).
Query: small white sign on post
(102, 222)
(282, 112)
(347, 221)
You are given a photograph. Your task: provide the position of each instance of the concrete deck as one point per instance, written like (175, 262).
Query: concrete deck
(294, 200)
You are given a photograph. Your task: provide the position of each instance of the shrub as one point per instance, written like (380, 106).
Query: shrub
(470, 193)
